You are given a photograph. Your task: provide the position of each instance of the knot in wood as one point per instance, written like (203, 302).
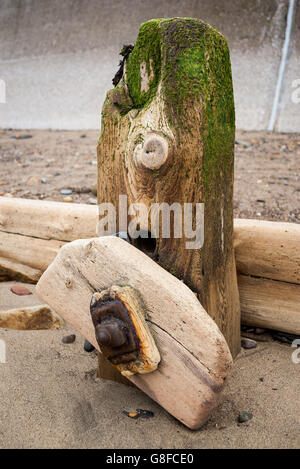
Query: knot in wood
(152, 153)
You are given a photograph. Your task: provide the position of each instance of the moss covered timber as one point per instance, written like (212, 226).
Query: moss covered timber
(177, 84)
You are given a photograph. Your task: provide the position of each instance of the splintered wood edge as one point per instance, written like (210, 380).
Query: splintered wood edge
(148, 355)
(195, 359)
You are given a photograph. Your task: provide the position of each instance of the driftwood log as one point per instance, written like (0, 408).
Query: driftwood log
(264, 250)
(47, 219)
(195, 359)
(168, 136)
(268, 262)
(35, 253)
(268, 249)
(270, 304)
(32, 232)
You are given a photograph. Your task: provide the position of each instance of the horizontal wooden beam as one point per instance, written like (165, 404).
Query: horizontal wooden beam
(270, 304)
(10, 269)
(32, 232)
(267, 249)
(47, 219)
(32, 252)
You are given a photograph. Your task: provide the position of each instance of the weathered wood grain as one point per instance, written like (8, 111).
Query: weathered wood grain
(47, 219)
(168, 137)
(195, 359)
(268, 249)
(270, 304)
(10, 269)
(33, 252)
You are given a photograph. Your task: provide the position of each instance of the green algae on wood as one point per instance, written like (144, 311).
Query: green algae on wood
(192, 59)
(177, 84)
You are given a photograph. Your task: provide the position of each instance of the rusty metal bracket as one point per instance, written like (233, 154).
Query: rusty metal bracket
(115, 332)
(121, 330)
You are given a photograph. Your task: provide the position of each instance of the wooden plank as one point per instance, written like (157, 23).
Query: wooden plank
(270, 304)
(48, 219)
(262, 248)
(13, 270)
(268, 249)
(33, 252)
(195, 357)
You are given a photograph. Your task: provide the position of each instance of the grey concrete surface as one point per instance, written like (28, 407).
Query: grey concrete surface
(289, 110)
(58, 58)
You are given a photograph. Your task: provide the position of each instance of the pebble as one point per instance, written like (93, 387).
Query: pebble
(66, 191)
(244, 417)
(68, 339)
(92, 201)
(24, 136)
(244, 144)
(44, 180)
(21, 137)
(145, 414)
(261, 379)
(139, 413)
(248, 343)
(20, 290)
(68, 199)
(33, 180)
(132, 415)
(88, 347)
(284, 337)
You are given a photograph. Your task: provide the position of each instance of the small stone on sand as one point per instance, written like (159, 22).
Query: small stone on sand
(244, 417)
(248, 343)
(20, 290)
(68, 339)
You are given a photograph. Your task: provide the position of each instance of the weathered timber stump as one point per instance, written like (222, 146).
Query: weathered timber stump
(168, 132)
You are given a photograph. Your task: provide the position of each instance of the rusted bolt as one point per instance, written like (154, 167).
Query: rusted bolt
(114, 329)
(111, 333)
